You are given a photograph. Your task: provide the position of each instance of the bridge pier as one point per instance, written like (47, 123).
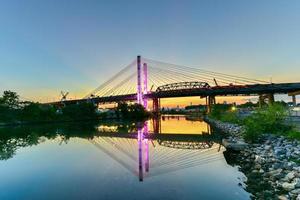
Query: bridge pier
(156, 122)
(293, 95)
(271, 98)
(156, 106)
(260, 101)
(294, 100)
(210, 101)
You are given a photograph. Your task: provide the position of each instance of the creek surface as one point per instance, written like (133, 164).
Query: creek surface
(175, 157)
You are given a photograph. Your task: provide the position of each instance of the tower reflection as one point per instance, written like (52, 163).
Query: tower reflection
(154, 148)
(143, 148)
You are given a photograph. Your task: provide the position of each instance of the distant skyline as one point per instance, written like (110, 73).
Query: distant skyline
(53, 45)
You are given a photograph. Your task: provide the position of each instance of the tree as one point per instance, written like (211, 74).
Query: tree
(134, 111)
(10, 99)
(38, 112)
(81, 111)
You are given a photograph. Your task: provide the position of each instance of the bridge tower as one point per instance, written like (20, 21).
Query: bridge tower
(139, 81)
(145, 92)
(142, 83)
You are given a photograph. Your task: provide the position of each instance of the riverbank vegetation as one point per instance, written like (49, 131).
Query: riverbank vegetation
(15, 111)
(268, 119)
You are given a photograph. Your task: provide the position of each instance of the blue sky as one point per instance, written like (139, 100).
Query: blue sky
(52, 45)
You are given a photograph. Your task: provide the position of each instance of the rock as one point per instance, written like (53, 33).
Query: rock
(272, 162)
(268, 147)
(236, 146)
(290, 176)
(295, 192)
(296, 181)
(275, 172)
(259, 159)
(288, 165)
(257, 166)
(277, 165)
(282, 197)
(296, 169)
(279, 151)
(288, 186)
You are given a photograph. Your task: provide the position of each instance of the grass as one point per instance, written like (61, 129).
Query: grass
(293, 134)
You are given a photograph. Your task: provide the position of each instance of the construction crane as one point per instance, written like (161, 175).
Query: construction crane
(63, 96)
(216, 83)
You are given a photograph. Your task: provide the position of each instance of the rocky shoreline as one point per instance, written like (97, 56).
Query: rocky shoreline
(272, 166)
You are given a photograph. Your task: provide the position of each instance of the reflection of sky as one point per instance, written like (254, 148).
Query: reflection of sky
(176, 124)
(50, 46)
(79, 170)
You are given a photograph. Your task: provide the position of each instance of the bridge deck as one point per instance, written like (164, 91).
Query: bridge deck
(234, 90)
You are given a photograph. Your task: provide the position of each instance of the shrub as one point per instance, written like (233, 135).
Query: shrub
(293, 134)
(269, 119)
(218, 110)
(231, 117)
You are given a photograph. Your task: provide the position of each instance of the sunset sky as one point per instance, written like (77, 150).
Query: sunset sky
(53, 45)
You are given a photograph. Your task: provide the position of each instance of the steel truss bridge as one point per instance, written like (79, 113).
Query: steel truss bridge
(146, 79)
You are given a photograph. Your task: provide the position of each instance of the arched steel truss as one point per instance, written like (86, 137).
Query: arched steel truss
(183, 86)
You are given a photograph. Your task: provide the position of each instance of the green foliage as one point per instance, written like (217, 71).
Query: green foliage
(9, 104)
(6, 114)
(12, 110)
(293, 134)
(269, 119)
(218, 110)
(248, 105)
(135, 111)
(253, 128)
(10, 99)
(38, 112)
(295, 160)
(224, 112)
(231, 117)
(82, 111)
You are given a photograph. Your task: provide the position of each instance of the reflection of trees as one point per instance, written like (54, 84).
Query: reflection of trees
(9, 146)
(13, 138)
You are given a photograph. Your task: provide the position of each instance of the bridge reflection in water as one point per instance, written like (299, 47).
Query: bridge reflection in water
(149, 152)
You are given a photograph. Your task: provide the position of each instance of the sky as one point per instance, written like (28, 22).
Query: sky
(53, 45)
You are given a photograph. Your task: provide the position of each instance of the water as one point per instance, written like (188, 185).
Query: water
(172, 158)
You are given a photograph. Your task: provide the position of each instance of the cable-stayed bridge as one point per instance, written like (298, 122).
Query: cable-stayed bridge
(146, 79)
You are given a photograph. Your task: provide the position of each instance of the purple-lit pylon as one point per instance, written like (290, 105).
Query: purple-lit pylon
(145, 72)
(139, 81)
(142, 78)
